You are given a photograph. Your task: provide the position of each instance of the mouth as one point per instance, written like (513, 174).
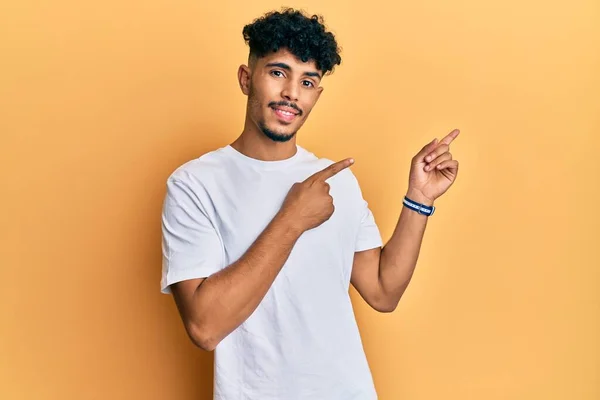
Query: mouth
(286, 114)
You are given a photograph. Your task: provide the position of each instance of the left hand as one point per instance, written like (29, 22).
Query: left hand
(433, 170)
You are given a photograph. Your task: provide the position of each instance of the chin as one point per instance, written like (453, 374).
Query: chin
(276, 135)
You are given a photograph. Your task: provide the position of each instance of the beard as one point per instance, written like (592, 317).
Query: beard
(271, 134)
(276, 137)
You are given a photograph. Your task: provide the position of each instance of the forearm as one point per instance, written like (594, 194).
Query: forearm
(399, 256)
(227, 298)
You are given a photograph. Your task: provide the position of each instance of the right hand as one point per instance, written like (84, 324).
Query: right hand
(308, 204)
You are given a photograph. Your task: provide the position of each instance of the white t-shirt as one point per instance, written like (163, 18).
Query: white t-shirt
(302, 342)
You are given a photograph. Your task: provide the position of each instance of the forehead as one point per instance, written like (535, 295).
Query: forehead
(285, 56)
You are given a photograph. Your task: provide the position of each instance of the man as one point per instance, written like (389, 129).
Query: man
(261, 238)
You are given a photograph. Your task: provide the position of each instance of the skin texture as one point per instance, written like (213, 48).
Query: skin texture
(276, 80)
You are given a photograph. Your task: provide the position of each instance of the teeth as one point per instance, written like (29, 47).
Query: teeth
(285, 112)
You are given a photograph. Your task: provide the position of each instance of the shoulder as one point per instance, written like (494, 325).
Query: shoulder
(199, 169)
(192, 180)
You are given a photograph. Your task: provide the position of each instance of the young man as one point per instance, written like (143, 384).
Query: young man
(261, 238)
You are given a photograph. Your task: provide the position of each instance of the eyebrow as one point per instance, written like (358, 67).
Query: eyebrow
(288, 68)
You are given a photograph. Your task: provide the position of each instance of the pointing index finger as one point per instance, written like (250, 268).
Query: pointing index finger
(449, 137)
(331, 170)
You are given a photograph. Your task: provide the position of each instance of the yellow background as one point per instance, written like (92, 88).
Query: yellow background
(100, 101)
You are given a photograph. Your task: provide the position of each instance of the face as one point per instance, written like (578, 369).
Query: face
(282, 91)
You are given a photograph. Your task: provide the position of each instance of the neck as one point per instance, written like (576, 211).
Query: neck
(253, 143)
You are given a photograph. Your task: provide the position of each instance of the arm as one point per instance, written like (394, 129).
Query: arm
(212, 307)
(382, 275)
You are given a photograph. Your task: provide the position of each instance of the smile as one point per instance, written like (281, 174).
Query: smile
(284, 115)
(286, 112)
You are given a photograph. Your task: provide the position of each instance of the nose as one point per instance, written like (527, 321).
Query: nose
(290, 91)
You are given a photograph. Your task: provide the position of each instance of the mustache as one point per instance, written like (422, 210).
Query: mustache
(285, 104)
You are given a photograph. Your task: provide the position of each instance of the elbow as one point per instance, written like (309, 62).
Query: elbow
(386, 305)
(201, 336)
(386, 308)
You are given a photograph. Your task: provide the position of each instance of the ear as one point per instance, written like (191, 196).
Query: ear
(244, 78)
(319, 91)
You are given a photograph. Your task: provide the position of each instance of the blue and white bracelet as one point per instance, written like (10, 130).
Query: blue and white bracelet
(418, 207)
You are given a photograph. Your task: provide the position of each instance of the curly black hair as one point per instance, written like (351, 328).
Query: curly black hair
(303, 36)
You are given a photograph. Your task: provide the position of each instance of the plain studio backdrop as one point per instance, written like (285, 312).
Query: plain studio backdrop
(101, 101)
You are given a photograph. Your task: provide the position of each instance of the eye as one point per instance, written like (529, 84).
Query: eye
(277, 72)
(310, 84)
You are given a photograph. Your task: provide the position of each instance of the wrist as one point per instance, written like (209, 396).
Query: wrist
(289, 224)
(418, 196)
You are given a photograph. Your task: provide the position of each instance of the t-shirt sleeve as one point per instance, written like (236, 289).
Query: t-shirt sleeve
(368, 236)
(191, 245)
